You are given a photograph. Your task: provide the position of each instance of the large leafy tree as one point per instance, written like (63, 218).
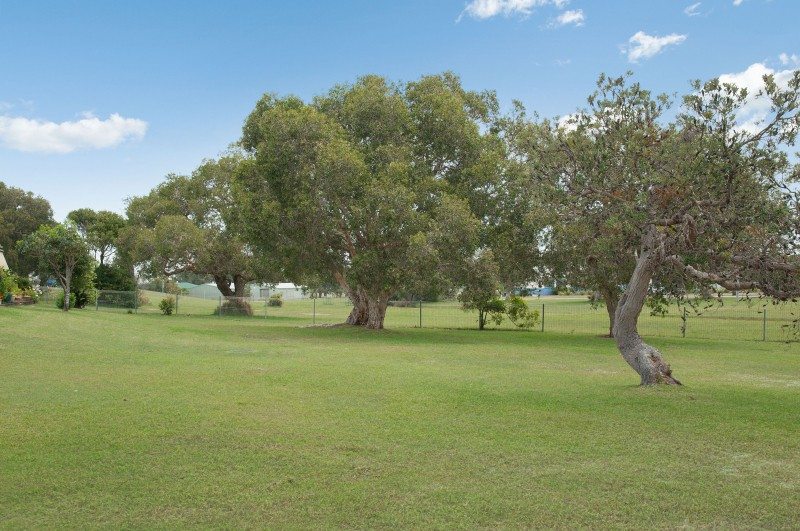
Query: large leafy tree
(21, 213)
(372, 183)
(192, 224)
(700, 200)
(59, 251)
(101, 230)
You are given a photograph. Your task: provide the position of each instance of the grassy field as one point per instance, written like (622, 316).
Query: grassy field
(117, 420)
(733, 319)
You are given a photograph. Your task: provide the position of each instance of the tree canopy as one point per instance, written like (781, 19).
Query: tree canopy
(371, 183)
(192, 224)
(698, 200)
(21, 213)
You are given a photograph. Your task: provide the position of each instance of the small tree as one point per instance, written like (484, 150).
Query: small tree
(482, 288)
(58, 251)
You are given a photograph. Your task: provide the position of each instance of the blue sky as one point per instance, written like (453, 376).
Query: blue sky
(100, 100)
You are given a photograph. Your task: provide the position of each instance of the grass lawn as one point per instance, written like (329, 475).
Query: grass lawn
(733, 319)
(118, 420)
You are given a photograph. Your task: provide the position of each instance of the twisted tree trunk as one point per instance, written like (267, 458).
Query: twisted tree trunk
(646, 360)
(611, 298)
(224, 286)
(239, 285)
(376, 311)
(360, 312)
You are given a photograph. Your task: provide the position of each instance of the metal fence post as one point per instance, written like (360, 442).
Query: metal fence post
(265, 307)
(136, 300)
(220, 306)
(683, 328)
(97, 300)
(177, 295)
(542, 317)
(420, 313)
(314, 312)
(764, 326)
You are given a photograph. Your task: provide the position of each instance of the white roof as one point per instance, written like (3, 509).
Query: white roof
(3, 263)
(286, 285)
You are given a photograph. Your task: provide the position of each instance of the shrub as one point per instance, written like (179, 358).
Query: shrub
(142, 299)
(59, 301)
(8, 284)
(520, 314)
(167, 306)
(237, 307)
(275, 300)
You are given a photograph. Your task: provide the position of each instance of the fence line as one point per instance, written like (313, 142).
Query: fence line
(732, 319)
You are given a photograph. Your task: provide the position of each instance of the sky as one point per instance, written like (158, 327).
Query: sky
(100, 100)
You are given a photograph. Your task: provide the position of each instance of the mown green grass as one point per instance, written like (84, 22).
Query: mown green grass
(117, 420)
(729, 318)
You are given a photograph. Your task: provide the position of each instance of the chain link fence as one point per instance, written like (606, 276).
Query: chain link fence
(729, 318)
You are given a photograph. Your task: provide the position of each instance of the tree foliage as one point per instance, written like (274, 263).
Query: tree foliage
(699, 200)
(21, 213)
(60, 252)
(370, 182)
(192, 224)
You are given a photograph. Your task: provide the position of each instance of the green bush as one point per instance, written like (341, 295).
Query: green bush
(167, 306)
(237, 306)
(275, 300)
(59, 301)
(520, 314)
(8, 284)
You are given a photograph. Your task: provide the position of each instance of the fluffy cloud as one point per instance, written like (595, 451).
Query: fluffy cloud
(90, 132)
(755, 110)
(572, 16)
(787, 59)
(692, 10)
(737, 2)
(482, 9)
(644, 46)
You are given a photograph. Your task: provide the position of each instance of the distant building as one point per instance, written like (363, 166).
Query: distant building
(287, 290)
(203, 291)
(3, 263)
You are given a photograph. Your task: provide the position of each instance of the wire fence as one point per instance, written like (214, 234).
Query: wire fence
(728, 318)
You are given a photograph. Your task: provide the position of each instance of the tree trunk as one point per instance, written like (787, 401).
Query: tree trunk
(67, 288)
(239, 285)
(359, 315)
(481, 319)
(643, 358)
(376, 311)
(611, 298)
(224, 286)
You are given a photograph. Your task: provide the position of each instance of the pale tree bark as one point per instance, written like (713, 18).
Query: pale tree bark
(239, 285)
(67, 282)
(376, 311)
(645, 359)
(611, 298)
(359, 315)
(224, 286)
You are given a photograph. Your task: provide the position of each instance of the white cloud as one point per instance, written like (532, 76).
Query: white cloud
(644, 46)
(572, 16)
(787, 59)
(90, 132)
(692, 10)
(737, 2)
(483, 9)
(755, 110)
